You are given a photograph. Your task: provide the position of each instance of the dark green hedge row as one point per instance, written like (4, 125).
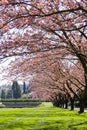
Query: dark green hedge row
(20, 100)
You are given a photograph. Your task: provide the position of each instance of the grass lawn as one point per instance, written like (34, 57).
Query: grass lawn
(44, 117)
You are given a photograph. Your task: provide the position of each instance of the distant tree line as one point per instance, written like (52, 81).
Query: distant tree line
(15, 91)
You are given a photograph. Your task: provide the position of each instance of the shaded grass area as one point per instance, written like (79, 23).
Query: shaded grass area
(44, 117)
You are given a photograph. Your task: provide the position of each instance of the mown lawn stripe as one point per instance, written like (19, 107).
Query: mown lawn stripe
(16, 118)
(42, 118)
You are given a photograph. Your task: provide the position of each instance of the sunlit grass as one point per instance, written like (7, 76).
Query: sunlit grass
(44, 117)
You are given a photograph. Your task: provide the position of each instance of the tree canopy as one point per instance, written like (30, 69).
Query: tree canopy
(42, 33)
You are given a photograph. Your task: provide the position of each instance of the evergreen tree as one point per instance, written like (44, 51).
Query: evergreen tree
(24, 88)
(3, 94)
(9, 94)
(16, 91)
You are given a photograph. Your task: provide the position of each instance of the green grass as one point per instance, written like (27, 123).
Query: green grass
(44, 117)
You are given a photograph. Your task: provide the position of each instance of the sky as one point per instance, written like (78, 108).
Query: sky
(3, 66)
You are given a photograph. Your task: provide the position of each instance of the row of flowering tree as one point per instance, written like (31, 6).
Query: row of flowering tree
(58, 85)
(40, 33)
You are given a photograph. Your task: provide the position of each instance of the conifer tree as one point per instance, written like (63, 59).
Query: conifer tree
(16, 90)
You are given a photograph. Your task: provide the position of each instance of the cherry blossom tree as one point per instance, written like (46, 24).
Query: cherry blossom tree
(35, 29)
(59, 83)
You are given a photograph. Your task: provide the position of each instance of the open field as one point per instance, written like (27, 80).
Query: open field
(44, 117)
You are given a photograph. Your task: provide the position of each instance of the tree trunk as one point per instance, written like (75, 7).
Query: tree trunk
(66, 104)
(63, 104)
(83, 60)
(83, 100)
(72, 103)
(82, 106)
(84, 96)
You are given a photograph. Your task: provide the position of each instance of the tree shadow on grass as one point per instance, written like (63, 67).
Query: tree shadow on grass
(73, 126)
(50, 126)
(47, 125)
